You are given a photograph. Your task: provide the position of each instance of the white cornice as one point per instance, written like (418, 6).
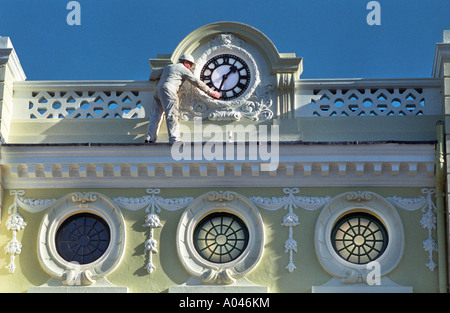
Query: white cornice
(8, 56)
(124, 166)
(441, 55)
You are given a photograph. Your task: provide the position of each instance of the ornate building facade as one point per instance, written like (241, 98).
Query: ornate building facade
(283, 185)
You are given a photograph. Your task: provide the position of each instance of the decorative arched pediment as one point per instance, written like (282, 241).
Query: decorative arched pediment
(276, 62)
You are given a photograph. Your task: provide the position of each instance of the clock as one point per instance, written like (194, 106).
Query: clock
(228, 74)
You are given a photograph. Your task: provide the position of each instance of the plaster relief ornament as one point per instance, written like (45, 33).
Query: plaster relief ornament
(153, 204)
(15, 223)
(290, 220)
(428, 220)
(226, 67)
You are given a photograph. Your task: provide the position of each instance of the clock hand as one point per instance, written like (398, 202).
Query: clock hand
(225, 76)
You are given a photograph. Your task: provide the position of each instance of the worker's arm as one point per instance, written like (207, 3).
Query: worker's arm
(200, 84)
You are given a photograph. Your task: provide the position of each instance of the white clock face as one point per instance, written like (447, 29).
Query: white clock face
(227, 74)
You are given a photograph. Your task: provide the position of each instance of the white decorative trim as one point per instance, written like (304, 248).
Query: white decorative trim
(408, 204)
(368, 97)
(9, 56)
(428, 220)
(230, 272)
(366, 102)
(290, 220)
(101, 104)
(365, 201)
(117, 166)
(15, 222)
(70, 273)
(153, 205)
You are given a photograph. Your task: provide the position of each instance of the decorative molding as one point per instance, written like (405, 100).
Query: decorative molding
(84, 197)
(220, 273)
(152, 221)
(72, 273)
(67, 273)
(290, 220)
(117, 166)
(8, 56)
(221, 196)
(153, 205)
(348, 272)
(428, 220)
(15, 223)
(358, 196)
(32, 205)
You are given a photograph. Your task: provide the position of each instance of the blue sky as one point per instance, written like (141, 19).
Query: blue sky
(117, 37)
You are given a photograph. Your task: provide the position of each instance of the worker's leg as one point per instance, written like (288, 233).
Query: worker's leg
(156, 112)
(172, 120)
(169, 101)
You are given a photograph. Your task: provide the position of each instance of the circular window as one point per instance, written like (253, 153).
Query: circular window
(82, 238)
(359, 238)
(221, 237)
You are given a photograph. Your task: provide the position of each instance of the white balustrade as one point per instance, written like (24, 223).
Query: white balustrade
(130, 99)
(74, 100)
(390, 97)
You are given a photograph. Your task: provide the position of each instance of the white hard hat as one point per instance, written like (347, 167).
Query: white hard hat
(187, 57)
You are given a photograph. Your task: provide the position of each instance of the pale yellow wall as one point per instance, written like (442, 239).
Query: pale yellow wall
(270, 272)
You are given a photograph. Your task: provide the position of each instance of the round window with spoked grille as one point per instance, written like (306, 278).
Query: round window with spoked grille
(82, 238)
(221, 237)
(359, 238)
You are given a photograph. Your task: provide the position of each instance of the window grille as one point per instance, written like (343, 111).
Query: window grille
(221, 237)
(359, 238)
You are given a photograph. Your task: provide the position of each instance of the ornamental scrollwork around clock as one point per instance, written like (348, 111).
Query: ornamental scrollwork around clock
(246, 97)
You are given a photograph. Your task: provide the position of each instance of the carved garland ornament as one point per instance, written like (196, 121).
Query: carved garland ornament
(153, 204)
(15, 222)
(428, 220)
(290, 220)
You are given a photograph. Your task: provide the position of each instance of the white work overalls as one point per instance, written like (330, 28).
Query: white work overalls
(165, 99)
